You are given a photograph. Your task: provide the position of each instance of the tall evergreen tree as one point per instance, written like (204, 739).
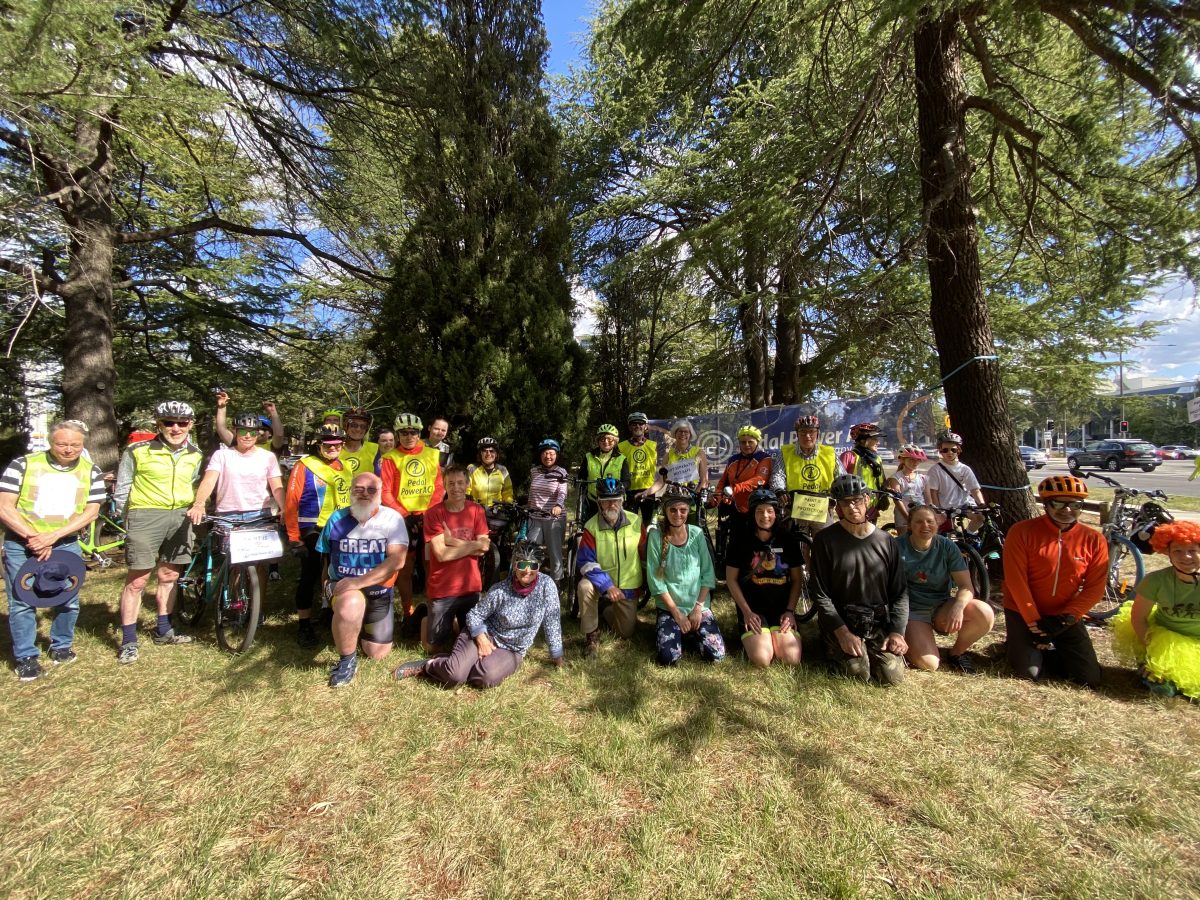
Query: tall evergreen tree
(477, 323)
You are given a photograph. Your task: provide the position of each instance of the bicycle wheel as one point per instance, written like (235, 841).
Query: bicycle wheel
(805, 608)
(1125, 570)
(489, 565)
(237, 615)
(980, 582)
(189, 606)
(571, 567)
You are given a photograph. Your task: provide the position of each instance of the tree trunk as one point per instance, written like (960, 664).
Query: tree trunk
(89, 373)
(962, 328)
(787, 338)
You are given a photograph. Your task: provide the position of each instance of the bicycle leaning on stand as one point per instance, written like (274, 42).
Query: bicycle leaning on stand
(224, 575)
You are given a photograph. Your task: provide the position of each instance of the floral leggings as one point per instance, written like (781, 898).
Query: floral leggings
(670, 639)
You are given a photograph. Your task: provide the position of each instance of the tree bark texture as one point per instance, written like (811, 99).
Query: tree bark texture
(962, 328)
(89, 372)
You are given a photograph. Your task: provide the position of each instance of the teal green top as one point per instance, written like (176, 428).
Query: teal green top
(688, 568)
(1176, 603)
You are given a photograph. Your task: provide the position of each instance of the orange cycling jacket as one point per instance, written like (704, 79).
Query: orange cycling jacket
(1048, 571)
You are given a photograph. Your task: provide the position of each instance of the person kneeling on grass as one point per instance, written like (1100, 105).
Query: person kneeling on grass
(762, 572)
(366, 543)
(501, 628)
(1161, 630)
(679, 573)
(940, 596)
(859, 588)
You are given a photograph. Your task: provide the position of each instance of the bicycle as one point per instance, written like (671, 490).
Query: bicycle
(229, 547)
(1119, 526)
(508, 523)
(103, 535)
(571, 545)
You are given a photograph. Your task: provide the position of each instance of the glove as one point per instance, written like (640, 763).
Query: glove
(1053, 626)
(883, 503)
(298, 549)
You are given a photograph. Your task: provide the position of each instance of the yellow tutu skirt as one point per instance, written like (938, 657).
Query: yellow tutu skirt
(1167, 656)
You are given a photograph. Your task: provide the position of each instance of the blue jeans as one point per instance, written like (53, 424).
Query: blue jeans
(22, 618)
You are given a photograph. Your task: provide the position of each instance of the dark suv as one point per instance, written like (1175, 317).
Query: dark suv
(1115, 454)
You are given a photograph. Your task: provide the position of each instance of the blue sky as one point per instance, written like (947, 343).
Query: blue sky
(1174, 353)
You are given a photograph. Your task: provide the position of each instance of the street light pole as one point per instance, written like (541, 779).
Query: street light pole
(1121, 383)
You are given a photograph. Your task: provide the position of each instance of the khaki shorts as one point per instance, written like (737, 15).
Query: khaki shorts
(158, 534)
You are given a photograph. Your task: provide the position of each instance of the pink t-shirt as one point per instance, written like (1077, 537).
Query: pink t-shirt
(242, 478)
(459, 576)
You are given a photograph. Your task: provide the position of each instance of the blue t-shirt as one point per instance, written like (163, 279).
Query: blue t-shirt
(355, 548)
(928, 574)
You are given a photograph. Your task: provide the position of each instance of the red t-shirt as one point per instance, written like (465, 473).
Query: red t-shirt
(458, 576)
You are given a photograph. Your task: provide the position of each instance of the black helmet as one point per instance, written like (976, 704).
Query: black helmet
(549, 444)
(845, 486)
(675, 495)
(330, 433)
(610, 489)
(637, 418)
(761, 496)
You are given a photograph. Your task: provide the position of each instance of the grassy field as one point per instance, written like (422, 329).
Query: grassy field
(196, 774)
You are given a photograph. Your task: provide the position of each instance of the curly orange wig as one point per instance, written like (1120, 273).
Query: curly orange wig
(1174, 533)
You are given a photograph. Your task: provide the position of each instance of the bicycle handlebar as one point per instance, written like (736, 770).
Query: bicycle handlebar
(1127, 491)
(240, 523)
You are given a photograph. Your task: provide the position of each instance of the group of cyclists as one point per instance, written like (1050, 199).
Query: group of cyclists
(800, 526)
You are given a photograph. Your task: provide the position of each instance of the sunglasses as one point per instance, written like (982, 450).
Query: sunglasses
(408, 432)
(1073, 505)
(175, 423)
(524, 565)
(948, 450)
(366, 490)
(253, 432)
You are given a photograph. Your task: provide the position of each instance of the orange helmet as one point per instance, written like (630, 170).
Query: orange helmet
(1062, 486)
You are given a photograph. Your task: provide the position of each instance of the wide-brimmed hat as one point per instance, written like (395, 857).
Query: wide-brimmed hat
(52, 581)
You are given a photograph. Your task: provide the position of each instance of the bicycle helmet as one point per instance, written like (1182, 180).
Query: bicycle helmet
(526, 550)
(674, 495)
(330, 434)
(607, 429)
(864, 430)
(174, 409)
(406, 421)
(610, 489)
(638, 418)
(912, 451)
(847, 486)
(685, 425)
(357, 412)
(331, 414)
(1062, 487)
(265, 422)
(760, 496)
(807, 422)
(749, 431)
(247, 420)
(549, 444)
(950, 437)
(487, 443)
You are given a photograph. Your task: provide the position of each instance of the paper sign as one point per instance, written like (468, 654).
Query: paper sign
(682, 472)
(246, 545)
(808, 508)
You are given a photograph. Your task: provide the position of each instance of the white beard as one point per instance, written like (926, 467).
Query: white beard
(364, 509)
(611, 515)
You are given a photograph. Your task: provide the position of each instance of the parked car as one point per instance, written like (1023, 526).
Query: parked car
(1033, 457)
(885, 454)
(1114, 455)
(1179, 451)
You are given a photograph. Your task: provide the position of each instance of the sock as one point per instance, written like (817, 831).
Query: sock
(129, 634)
(164, 625)
(304, 624)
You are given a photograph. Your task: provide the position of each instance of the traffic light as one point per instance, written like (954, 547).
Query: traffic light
(1124, 426)
(947, 418)
(1049, 424)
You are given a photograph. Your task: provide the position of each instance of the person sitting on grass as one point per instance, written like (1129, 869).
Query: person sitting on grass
(679, 573)
(763, 573)
(501, 628)
(1055, 568)
(1161, 630)
(366, 543)
(859, 588)
(940, 596)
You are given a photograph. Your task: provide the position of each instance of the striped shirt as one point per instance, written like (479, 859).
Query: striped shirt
(10, 481)
(547, 488)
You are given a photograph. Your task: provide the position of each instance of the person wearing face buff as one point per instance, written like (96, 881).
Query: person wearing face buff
(318, 487)
(863, 460)
(1054, 572)
(1161, 629)
(501, 628)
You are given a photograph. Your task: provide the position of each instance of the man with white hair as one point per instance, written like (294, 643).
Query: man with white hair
(611, 555)
(366, 543)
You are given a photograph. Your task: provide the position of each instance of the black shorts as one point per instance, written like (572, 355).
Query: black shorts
(442, 613)
(379, 618)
